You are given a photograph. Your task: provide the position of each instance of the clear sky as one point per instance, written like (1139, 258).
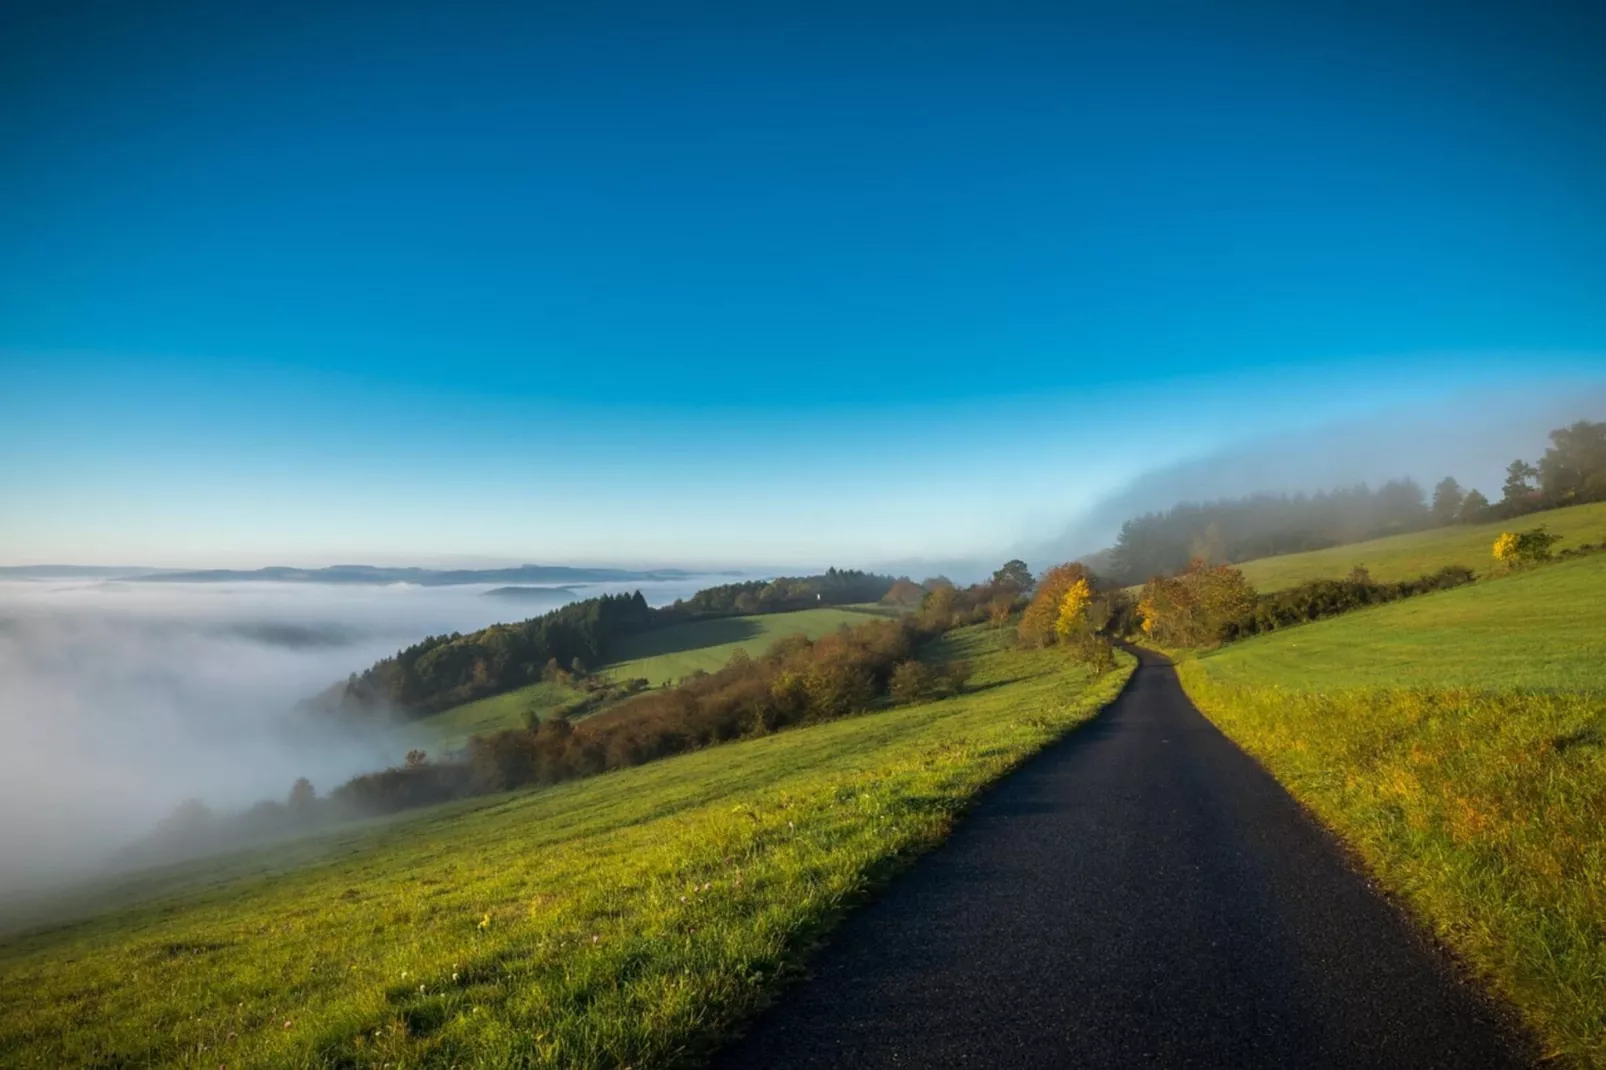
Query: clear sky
(688, 283)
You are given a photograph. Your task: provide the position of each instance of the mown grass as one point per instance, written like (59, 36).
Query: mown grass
(626, 920)
(665, 655)
(1404, 557)
(1458, 742)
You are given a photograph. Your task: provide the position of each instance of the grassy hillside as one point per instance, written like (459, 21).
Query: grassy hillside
(668, 654)
(661, 655)
(1458, 742)
(451, 728)
(1403, 557)
(627, 919)
(1544, 629)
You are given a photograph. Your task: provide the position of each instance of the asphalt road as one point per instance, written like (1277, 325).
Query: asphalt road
(1141, 894)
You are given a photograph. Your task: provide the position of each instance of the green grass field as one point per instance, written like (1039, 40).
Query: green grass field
(1543, 628)
(1404, 557)
(451, 729)
(659, 656)
(1458, 742)
(665, 655)
(629, 919)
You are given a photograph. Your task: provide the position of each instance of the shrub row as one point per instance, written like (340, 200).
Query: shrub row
(1329, 598)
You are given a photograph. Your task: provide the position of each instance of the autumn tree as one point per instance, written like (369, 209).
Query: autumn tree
(1072, 617)
(1037, 623)
(937, 610)
(1203, 605)
(904, 593)
(911, 681)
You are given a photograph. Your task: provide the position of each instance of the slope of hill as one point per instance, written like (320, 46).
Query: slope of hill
(1403, 557)
(662, 655)
(626, 919)
(667, 654)
(1458, 742)
(1542, 629)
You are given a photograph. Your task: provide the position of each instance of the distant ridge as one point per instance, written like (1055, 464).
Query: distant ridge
(66, 572)
(358, 574)
(423, 577)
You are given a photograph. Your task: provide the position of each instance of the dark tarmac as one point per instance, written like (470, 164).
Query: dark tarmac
(1140, 894)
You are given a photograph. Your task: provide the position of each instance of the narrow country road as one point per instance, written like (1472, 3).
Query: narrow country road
(1141, 894)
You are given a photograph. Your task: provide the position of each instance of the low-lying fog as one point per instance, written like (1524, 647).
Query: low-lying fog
(120, 700)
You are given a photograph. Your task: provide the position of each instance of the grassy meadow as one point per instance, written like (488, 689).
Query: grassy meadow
(451, 729)
(662, 655)
(1458, 742)
(625, 920)
(1404, 557)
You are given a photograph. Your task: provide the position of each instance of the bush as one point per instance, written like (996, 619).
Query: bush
(911, 682)
(1319, 599)
(1530, 547)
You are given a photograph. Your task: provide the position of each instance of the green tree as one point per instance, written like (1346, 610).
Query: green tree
(1447, 498)
(1013, 576)
(1574, 467)
(1517, 486)
(1474, 508)
(303, 798)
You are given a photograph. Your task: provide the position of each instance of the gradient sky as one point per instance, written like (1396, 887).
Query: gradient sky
(589, 282)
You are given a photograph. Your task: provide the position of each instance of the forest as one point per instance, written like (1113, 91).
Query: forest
(1571, 471)
(441, 671)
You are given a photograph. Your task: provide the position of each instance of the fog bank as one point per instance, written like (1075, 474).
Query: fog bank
(1470, 437)
(118, 701)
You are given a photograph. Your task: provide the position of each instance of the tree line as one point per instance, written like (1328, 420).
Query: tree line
(1571, 471)
(796, 681)
(441, 671)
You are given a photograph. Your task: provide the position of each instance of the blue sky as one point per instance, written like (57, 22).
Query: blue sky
(609, 283)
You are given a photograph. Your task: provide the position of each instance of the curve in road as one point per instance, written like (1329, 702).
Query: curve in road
(1141, 894)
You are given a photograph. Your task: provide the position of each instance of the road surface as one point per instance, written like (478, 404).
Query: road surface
(1141, 894)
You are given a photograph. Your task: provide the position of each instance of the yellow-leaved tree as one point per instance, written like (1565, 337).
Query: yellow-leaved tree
(1038, 623)
(1072, 618)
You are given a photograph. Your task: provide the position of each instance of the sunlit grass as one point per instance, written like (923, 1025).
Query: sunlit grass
(451, 729)
(1541, 628)
(624, 920)
(1405, 557)
(1476, 790)
(664, 655)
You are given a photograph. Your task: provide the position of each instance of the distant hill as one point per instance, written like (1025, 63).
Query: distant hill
(423, 577)
(531, 594)
(72, 572)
